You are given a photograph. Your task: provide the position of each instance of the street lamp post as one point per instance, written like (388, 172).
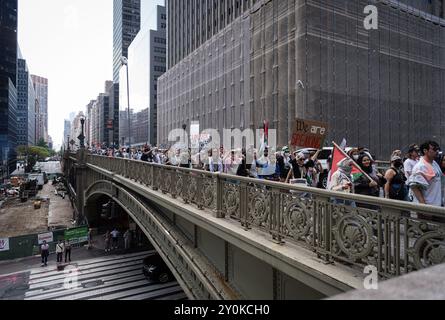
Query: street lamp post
(81, 137)
(125, 62)
(184, 127)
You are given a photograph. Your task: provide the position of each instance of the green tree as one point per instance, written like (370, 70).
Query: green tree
(42, 143)
(32, 154)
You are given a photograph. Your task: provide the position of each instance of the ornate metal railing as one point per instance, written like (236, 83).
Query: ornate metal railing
(396, 237)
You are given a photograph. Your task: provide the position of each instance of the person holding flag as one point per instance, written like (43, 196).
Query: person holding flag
(342, 174)
(341, 179)
(365, 186)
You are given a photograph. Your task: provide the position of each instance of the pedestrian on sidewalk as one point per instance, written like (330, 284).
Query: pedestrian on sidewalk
(67, 246)
(44, 251)
(127, 239)
(107, 238)
(59, 251)
(114, 237)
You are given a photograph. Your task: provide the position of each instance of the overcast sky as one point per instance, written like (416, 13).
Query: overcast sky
(70, 42)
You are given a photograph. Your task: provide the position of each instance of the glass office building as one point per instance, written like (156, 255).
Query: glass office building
(26, 104)
(146, 63)
(8, 81)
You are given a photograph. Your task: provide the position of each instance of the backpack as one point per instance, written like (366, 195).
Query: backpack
(398, 191)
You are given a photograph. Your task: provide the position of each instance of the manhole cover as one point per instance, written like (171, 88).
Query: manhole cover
(92, 284)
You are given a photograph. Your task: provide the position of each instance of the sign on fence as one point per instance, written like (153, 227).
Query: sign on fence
(48, 237)
(4, 244)
(309, 134)
(78, 235)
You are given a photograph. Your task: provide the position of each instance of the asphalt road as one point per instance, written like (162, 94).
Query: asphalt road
(110, 277)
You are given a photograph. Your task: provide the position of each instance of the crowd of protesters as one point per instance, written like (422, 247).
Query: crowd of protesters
(418, 176)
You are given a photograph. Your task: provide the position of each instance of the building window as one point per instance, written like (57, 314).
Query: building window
(160, 40)
(160, 69)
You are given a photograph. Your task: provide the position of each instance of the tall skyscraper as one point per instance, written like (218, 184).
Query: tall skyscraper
(8, 126)
(235, 64)
(146, 63)
(26, 105)
(66, 133)
(8, 92)
(126, 25)
(100, 118)
(76, 129)
(8, 39)
(41, 90)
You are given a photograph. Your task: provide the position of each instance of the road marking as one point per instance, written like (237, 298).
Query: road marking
(107, 278)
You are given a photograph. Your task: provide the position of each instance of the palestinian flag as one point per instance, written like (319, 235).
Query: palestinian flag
(337, 156)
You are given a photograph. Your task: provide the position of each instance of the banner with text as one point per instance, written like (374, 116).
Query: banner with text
(78, 235)
(4, 244)
(48, 237)
(309, 134)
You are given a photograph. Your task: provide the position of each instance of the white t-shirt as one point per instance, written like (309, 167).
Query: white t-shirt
(408, 167)
(428, 177)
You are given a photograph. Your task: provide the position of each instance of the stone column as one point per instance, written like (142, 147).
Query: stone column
(81, 177)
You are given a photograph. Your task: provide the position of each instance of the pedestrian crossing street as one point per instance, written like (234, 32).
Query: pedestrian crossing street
(106, 278)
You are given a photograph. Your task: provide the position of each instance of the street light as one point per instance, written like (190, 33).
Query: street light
(125, 62)
(81, 137)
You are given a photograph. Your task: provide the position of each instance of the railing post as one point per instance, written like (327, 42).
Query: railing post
(126, 168)
(174, 177)
(276, 216)
(185, 184)
(153, 178)
(326, 230)
(200, 192)
(219, 197)
(244, 206)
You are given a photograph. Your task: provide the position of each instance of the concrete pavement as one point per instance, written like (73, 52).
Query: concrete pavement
(14, 274)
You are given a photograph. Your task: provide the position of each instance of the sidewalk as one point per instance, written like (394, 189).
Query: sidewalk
(19, 219)
(60, 213)
(77, 254)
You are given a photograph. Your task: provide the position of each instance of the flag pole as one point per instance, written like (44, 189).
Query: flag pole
(346, 155)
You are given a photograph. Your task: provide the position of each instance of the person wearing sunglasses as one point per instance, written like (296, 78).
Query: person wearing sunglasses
(425, 180)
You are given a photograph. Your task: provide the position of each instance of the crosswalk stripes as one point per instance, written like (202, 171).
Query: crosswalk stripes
(106, 278)
(37, 273)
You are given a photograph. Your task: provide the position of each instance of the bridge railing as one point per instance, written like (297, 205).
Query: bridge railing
(395, 237)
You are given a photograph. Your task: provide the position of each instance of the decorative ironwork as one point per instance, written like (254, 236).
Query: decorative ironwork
(179, 185)
(298, 217)
(231, 200)
(389, 237)
(209, 193)
(192, 192)
(428, 245)
(259, 206)
(353, 234)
